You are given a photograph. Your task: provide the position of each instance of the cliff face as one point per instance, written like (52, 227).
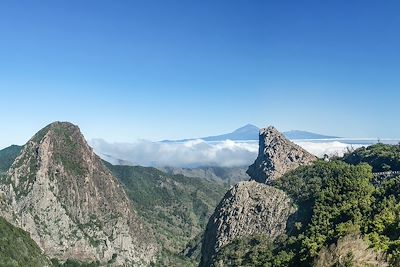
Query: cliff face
(247, 208)
(60, 192)
(254, 207)
(277, 155)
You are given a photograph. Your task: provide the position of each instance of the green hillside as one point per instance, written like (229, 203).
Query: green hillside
(18, 249)
(7, 156)
(380, 156)
(175, 206)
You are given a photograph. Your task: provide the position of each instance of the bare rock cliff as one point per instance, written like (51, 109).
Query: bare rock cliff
(276, 156)
(62, 194)
(248, 208)
(254, 207)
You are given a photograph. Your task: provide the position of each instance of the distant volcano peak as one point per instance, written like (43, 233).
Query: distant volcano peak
(251, 132)
(246, 128)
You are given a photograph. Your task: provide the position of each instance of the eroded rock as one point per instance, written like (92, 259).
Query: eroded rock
(277, 155)
(62, 194)
(248, 208)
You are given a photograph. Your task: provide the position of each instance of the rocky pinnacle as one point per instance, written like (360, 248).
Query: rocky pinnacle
(276, 156)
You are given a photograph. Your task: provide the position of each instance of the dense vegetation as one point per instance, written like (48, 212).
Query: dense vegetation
(18, 249)
(253, 251)
(341, 209)
(7, 157)
(175, 206)
(380, 156)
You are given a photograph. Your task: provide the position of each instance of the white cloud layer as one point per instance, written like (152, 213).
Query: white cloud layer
(198, 152)
(329, 148)
(187, 154)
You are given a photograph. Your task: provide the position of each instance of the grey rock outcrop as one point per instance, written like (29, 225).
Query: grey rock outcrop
(61, 193)
(248, 208)
(276, 156)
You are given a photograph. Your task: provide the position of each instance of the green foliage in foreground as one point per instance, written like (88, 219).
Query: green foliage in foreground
(18, 249)
(338, 199)
(253, 251)
(380, 156)
(175, 206)
(335, 200)
(168, 258)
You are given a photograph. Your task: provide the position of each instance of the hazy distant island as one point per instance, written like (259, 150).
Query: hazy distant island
(250, 132)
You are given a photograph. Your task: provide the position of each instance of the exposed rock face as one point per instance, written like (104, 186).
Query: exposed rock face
(276, 156)
(253, 207)
(248, 208)
(61, 193)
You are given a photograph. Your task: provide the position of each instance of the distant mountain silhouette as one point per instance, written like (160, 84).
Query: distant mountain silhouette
(295, 134)
(250, 132)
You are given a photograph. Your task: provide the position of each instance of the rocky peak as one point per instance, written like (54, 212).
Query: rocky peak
(248, 208)
(248, 128)
(276, 156)
(70, 203)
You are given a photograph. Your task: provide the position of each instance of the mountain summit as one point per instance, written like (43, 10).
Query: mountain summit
(299, 135)
(276, 156)
(70, 203)
(255, 207)
(247, 132)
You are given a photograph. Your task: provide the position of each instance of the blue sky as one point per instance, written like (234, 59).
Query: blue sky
(168, 69)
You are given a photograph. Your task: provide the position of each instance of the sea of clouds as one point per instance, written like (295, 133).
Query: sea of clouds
(197, 153)
(330, 148)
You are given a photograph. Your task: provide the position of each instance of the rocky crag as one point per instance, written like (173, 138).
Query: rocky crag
(276, 156)
(60, 192)
(248, 208)
(254, 207)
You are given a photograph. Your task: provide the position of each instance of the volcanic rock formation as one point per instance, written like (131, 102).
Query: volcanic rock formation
(61, 193)
(276, 156)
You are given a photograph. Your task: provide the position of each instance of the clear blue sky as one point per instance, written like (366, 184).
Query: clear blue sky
(168, 69)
